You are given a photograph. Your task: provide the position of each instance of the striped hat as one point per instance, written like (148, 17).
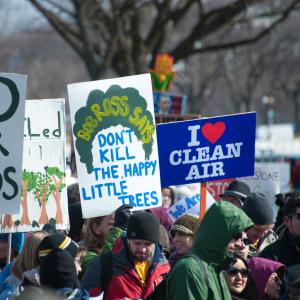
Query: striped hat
(57, 241)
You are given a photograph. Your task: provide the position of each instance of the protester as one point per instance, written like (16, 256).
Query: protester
(17, 241)
(58, 272)
(168, 197)
(24, 269)
(287, 248)
(197, 276)
(96, 230)
(239, 244)
(236, 276)
(183, 231)
(136, 266)
(236, 193)
(260, 211)
(268, 276)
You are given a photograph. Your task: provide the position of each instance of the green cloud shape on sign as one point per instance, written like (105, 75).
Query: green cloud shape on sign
(118, 106)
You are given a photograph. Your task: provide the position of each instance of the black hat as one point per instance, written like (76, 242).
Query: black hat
(258, 209)
(237, 189)
(57, 241)
(143, 226)
(58, 270)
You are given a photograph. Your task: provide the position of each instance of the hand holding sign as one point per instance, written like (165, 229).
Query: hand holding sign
(121, 216)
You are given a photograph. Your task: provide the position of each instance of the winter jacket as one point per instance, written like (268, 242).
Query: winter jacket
(124, 281)
(186, 281)
(285, 250)
(261, 269)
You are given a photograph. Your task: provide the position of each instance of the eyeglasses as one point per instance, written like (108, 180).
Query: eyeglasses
(239, 236)
(295, 215)
(234, 271)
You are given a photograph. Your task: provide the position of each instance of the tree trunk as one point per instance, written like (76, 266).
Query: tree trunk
(25, 218)
(58, 215)
(8, 222)
(43, 216)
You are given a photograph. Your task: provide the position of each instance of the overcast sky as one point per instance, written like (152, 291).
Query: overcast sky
(18, 15)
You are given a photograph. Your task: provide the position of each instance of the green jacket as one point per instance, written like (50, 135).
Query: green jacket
(186, 281)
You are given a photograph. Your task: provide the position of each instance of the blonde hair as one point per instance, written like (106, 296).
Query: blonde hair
(28, 258)
(91, 240)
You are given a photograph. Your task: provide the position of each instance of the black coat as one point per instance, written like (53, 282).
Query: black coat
(283, 250)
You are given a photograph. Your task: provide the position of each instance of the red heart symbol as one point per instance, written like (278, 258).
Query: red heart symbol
(212, 132)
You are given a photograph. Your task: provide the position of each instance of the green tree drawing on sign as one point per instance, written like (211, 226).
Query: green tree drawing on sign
(56, 187)
(42, 192)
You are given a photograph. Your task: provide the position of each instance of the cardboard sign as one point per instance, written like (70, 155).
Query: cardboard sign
(12, 109)
(188, 201)
(44, 194)
(169, 103)
(115, 142)
(206, 149)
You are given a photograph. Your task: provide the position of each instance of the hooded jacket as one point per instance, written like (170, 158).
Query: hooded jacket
(261, 269)
(186, 281)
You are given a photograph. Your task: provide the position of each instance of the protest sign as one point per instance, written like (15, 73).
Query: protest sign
(115, 144)
(206, 149)
(218, 187)
(44, 195)
(169, 103)
(266, 180)
(188, 201)
(12, 109)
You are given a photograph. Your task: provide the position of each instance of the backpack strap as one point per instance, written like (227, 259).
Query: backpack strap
(106, 263)
(201, 266)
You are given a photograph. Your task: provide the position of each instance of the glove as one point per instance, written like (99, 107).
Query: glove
(121, 216)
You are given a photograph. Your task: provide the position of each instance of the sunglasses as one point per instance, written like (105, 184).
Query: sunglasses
(295, 215)
(234, 271)
(239, 236)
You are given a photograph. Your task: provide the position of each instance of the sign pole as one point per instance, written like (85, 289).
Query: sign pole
(9, 248)
(203, 190)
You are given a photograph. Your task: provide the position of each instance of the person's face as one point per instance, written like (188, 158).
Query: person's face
(164, 104)
(292, 222)
(3, 250)
(236, 277)
(257, 231)
(105, 226)
(239, 244)
(233, 200)
(182, 242)
(167, 197)
(141, 250)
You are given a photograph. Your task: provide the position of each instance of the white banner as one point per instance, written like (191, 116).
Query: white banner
(115, 144)
(44, 194)
(12, 108)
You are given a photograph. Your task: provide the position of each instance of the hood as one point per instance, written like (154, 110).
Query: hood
(261, 269)
(221, 222)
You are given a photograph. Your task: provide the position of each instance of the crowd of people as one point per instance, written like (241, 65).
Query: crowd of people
(239, 250)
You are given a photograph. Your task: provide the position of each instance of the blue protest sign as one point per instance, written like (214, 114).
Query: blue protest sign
(206, 149)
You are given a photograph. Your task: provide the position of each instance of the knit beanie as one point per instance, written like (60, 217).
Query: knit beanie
(258, 209)
(237, 189)
(58, 270)
(187, 224)
(17, 240)
(57, 241)
(143, 226)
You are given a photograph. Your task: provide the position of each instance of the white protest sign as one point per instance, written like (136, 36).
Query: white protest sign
(115, 144)
(285, 173)
(44, 195)
(188, 197)
(266, 180)
(12, 107)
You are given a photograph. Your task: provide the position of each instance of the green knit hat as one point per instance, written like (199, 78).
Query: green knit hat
(187, 224)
